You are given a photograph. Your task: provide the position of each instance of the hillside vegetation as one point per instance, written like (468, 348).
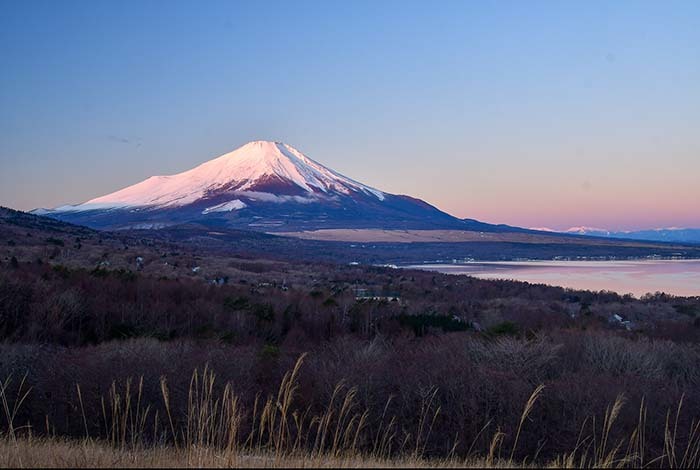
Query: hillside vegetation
(253, 361)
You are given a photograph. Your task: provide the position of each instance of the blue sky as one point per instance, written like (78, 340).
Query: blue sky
(523, 112)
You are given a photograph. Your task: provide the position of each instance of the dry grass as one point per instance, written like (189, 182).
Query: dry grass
(279, 435)
(89, 454)
(372, 235)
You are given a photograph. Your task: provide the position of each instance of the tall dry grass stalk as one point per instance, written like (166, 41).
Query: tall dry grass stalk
(11, 406)
(526, 412)
(216, 430)
(124, 414)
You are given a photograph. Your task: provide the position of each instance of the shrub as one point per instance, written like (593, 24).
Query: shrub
(55, 241)
(505, 328)
(421, 323)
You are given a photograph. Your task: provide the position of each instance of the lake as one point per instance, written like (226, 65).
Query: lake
(677, 277)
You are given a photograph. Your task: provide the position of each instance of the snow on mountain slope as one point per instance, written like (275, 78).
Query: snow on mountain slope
(263, 168)
(229, 206)
(588, 231)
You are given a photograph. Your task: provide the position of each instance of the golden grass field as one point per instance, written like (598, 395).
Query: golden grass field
(212, 435)
(32, 453)
(371, 235)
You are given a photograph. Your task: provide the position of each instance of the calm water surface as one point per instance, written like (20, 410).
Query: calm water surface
(678, 277)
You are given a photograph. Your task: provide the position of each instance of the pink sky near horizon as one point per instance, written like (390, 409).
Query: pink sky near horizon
(611, 208)
(534, 114)
(490, 190)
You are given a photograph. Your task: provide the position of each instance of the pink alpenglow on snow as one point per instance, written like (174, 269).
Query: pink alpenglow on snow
(240, 172)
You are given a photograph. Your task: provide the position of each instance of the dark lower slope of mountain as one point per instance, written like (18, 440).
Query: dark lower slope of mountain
(393, 212)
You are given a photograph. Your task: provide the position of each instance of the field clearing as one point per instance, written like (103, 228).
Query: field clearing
(452, 236)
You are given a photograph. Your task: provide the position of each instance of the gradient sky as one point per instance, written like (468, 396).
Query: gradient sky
(529, 113)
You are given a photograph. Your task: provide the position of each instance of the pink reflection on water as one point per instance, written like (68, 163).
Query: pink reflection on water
(677, 277)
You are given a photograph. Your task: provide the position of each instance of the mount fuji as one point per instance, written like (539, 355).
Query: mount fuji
(268, 186)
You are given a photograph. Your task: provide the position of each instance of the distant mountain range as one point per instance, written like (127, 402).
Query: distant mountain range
(265, 186)
(673, 235)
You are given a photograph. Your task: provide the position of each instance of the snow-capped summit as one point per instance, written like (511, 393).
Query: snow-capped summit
(261, 168)
(582, 230)
(263, 184)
